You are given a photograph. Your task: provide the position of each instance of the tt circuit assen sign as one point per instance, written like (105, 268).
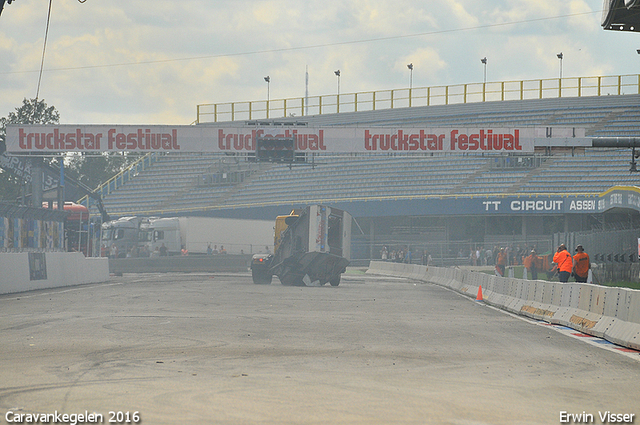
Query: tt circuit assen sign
(134, 138)
(618, 197)
(551, 204)
(479, 206)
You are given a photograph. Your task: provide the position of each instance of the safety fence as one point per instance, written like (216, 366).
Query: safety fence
(420, 96)
(606, 312)
(614, 251)
(441, 252)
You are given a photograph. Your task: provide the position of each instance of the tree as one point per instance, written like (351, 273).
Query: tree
(93, 170)
(32, 111)
(9, 186)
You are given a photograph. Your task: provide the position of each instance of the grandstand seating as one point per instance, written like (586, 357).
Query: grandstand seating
(171, 183)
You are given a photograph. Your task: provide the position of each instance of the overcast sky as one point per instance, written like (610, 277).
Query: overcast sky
(153, 61)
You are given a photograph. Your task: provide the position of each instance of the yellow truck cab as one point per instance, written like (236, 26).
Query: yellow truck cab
(312, 247)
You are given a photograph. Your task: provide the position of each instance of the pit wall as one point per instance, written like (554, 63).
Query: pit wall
(182, 264)
(58, 269)
(609, 313)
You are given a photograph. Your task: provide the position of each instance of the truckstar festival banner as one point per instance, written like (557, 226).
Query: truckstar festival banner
(240, 139)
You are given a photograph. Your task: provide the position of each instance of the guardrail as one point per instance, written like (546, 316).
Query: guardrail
(420, 96)
(606, 312)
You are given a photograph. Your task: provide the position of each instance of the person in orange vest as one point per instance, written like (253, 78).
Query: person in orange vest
(501, 261)
(564, 260)
(533, 263)
(581, 265)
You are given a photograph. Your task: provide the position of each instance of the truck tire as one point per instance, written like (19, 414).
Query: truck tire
(261, 278)
(289, 281)
(335, 281)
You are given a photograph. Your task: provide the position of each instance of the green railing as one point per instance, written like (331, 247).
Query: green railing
(420, 96)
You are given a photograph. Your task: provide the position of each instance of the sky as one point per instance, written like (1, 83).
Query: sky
(153, 61)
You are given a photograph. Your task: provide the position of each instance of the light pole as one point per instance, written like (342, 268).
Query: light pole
(338, 96)
(306, 90)
(410, 66)
(484, 78)
(484, 64)
(268, 80)
(560, 57)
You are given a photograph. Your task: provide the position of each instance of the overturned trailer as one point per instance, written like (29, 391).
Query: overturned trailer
(312, 247)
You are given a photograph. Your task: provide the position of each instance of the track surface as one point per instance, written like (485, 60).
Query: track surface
(195, 349)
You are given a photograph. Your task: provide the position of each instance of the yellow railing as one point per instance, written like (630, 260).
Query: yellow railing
(121, 178)
(420, 96)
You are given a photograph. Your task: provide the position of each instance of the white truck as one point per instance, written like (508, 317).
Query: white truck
(196, 234)
(118, 237)
(199, 235)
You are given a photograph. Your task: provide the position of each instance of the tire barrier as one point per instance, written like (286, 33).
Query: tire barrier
(609, 313)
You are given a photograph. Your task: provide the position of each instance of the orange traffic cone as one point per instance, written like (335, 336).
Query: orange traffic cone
(479, 296)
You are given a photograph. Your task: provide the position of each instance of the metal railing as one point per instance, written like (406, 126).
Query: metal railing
(121, 178)
(420, 96)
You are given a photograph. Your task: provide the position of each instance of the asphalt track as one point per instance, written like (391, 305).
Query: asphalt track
(205, 349)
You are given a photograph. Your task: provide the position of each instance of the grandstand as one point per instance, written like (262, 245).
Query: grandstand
(195, 183)
(401, 199)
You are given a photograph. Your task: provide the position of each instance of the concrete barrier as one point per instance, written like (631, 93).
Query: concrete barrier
(609, 313)
(622, 332)
(180, 264)
(49, 270)
(513, 289)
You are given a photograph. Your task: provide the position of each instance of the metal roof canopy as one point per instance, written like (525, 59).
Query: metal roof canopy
(10, 210)
(615, 142)
(621, 15)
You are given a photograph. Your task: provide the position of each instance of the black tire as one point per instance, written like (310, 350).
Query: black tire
(292, 281)
(261, 277)
(335, 281)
